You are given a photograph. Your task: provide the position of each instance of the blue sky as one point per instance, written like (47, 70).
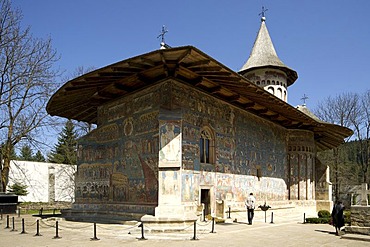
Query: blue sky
(326, 42)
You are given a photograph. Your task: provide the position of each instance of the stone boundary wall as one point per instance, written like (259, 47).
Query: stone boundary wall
(360, 220)
(46, 182)
(360, 216)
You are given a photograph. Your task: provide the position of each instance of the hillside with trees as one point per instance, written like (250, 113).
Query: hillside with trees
(348, 172)
(350, 162)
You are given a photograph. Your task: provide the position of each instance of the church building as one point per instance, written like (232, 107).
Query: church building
(178, 132)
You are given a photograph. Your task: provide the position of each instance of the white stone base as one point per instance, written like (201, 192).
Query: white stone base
(169, 218)
(230, 221)
(167, 224)
(357, 230)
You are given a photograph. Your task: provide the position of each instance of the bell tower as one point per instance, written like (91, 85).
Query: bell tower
(264, 68)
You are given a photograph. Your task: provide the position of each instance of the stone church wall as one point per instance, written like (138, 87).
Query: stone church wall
(250, 152)
(122, 163)
(301, 163)
(118, 161)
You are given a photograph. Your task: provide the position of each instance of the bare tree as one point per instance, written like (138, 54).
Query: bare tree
(82, 128)
(350, 110)
(67, 173)
(338, 110)
(26, 83)
(361, 122)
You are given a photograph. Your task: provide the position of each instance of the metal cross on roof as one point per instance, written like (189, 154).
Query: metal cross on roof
(304, 98)
(163, 32)
(263, 12)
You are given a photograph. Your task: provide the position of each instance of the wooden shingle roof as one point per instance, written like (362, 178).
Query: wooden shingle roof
(79, 98)
(263, 55)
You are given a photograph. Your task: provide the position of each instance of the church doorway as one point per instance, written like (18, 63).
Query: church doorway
(205, 198)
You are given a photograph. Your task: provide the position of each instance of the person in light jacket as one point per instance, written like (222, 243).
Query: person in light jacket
(250, 204)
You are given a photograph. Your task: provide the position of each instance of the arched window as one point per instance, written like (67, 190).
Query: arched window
(271, 90)
(206, 146)
(280, 93)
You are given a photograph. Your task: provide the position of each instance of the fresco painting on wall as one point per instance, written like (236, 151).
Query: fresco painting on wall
(170, 144)
(170, 183)
(310, 176)
(257, 145)
(293, 176)
(234, 154)
(302, 176)
(190, 147)
(187, 188)
(123, 151)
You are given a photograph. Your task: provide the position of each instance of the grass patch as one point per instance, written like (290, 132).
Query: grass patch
(48, 208)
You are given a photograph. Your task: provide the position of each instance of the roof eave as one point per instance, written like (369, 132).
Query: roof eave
(79, 98)
(292, 75)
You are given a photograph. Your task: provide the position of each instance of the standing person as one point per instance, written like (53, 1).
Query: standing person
(250, 204)
(337, 216)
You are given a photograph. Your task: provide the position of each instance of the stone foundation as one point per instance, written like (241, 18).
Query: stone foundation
(107, 213)
(360, 220)
(358, 230)
(168, 224)
(170, 218)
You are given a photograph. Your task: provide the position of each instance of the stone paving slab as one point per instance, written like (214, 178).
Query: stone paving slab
(291, 232)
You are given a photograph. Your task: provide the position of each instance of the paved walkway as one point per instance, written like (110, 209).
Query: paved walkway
(290, 232)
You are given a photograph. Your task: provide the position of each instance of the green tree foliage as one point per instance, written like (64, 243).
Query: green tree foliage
(65, 151)
(18, 189)
(324, 214)
(348, 172)
(26, 153)
(39, 157)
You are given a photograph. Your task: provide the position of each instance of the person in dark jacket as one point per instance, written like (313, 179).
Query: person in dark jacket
(337, 216)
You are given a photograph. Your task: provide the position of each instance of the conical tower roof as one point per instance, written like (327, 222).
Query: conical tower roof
(264, 55)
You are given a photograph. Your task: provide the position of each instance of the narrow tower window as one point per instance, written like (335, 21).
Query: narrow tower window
(280, 93)
(206, 144)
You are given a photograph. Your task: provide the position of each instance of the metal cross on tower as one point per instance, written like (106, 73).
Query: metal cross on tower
(263, 12)
(163, 32)
(304, 98)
